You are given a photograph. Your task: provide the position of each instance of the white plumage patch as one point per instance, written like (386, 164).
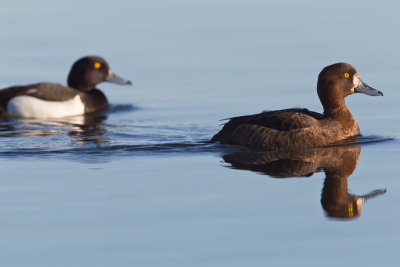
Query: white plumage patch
(356, 80)
(32, 107)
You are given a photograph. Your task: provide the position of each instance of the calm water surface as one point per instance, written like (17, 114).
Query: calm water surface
(138, 186)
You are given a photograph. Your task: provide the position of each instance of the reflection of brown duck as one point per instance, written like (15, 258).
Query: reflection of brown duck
(338, 203)
(337, 162)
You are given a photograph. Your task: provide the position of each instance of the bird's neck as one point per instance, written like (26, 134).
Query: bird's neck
(335, 107)
(81, 86)
(341, 114)
(338, 110)
(79, 82)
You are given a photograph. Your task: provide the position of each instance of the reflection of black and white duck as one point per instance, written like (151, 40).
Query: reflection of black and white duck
(296, 128)
(51, 100)
(338, 163)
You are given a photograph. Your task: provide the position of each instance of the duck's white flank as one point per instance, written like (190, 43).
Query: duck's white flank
(32, 107)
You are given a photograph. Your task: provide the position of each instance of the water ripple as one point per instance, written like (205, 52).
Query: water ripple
(83, 138)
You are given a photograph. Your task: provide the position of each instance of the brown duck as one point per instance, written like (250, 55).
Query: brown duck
(296, 128)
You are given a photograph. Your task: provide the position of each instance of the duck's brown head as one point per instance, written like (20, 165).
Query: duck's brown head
(337, 81)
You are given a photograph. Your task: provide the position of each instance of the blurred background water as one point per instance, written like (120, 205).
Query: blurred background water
(137, 186)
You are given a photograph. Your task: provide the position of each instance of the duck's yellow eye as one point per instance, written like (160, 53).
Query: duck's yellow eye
(97, 65)
(346, 75)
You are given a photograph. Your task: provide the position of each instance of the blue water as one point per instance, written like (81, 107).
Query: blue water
(138, 185)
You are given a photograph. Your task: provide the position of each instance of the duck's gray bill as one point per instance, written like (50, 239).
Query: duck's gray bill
(366, 89)
(114, 78)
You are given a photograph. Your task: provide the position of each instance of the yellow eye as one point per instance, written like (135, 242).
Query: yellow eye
(97, 65)
(346, 75)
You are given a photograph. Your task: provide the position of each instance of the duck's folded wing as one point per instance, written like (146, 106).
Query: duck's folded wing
(50, 91)
(44, 91)
(280, 120)
(264, 138)
(289, 119)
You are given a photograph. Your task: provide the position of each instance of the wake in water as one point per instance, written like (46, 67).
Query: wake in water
(97, 135)
(100, 135)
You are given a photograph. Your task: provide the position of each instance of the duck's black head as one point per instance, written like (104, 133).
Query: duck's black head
(89, 71)
(339, 80)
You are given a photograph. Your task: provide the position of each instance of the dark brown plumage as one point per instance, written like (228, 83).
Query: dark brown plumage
(291, 129)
